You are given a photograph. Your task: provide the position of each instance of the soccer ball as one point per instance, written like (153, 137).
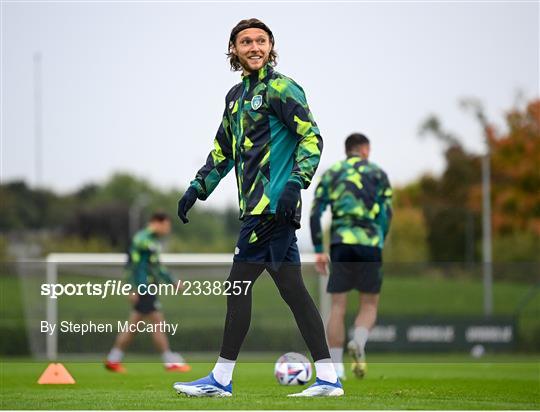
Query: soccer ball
(477, 351)
(292, 369)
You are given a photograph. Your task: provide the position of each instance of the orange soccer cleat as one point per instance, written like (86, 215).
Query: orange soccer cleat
(115, 367)
(177, 367)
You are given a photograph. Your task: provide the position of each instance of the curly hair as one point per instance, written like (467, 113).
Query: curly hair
(248, 24)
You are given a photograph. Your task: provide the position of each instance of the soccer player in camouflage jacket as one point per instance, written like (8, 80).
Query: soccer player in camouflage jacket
(269, 136)
(144, 268)
(360, 196)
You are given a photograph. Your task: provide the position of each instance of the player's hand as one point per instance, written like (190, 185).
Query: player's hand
(133, 298)
(185, 203)
(321, 263)
(288, 202)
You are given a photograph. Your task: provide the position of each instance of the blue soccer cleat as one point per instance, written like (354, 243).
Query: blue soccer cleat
(321, 388)
(204, 387)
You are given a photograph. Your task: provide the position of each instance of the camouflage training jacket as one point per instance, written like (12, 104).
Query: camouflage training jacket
(143, 260)
(270, 137)
(361, 201)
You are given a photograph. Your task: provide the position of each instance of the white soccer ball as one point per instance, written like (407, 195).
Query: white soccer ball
(292, 369)
(477, 351)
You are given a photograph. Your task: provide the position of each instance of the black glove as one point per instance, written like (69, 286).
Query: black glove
(288, 202)
(186, 202)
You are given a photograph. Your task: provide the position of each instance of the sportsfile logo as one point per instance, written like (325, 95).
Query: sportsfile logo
(109, 288)
(118, 288)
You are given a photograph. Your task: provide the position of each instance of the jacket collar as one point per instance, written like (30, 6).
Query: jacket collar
(259, 75)
(352, 159)
(356, 156)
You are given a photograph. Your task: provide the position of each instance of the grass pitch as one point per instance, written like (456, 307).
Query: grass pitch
(393, 382)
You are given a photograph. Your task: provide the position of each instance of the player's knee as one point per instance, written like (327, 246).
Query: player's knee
(369, 301)
(287, 293)
(295, 296)
(239, 300)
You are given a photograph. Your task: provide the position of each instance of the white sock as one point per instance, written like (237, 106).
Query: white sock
(325, 370)
(115, 355)
(360, 337)
(337, 357)
(171, 357)
(340, 370)
(223, 371)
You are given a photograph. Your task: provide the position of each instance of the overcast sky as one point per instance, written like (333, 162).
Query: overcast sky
(140, 86)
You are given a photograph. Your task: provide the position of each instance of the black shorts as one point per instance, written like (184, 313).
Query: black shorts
(263, 240)
(147, 304)
(355, 267)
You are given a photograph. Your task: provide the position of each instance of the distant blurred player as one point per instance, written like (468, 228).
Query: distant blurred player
(360, 196)
(145, 268)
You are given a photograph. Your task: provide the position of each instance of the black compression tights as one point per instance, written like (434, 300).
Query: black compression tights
(293, 291)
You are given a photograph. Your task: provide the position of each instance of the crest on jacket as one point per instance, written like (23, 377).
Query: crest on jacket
(256, 102)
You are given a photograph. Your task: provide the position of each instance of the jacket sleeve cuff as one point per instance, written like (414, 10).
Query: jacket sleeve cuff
(297, 180)
(195, 184)
(319, 249)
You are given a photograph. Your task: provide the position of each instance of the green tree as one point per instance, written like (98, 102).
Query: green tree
(452, 225)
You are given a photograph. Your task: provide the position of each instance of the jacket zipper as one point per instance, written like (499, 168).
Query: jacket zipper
(240, 132)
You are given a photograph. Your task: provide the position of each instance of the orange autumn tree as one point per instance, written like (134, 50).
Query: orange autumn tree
(515, 174)
(452, 202)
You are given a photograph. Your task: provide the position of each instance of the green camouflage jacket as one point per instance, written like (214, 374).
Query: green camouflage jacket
(270, 137)
(361, 201)
(143, 260)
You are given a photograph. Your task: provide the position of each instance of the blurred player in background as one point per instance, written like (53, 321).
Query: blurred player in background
(144, 269)
(360, 196)
(269, 136)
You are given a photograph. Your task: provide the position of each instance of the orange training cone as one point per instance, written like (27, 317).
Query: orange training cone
(55, 374)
